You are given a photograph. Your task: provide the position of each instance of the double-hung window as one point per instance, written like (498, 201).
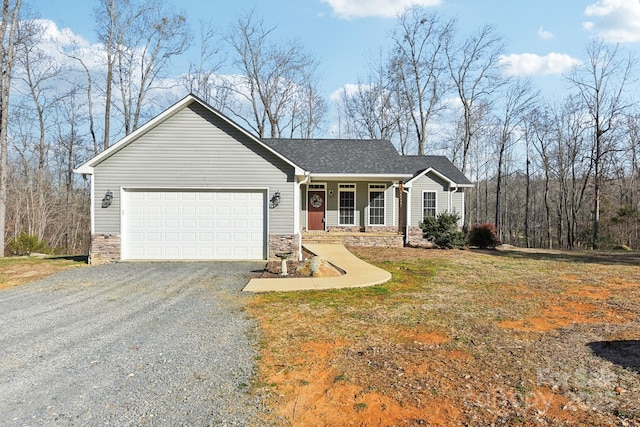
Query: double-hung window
(347, 204)
(428, 203)
(376, 204)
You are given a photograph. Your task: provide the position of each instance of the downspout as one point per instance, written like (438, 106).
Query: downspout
(307, 178)
(454, 187)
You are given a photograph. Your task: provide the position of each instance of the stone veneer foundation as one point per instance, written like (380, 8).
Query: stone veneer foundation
(105, 248)
(415, 239)
(283, 243)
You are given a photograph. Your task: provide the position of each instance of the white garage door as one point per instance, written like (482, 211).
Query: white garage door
(190, 225)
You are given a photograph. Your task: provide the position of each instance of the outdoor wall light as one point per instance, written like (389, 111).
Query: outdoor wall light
(275, 200)
(106, 200)
(330, 193)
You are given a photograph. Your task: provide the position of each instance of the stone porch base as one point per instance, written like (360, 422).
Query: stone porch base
(357, 239)
(415, 239)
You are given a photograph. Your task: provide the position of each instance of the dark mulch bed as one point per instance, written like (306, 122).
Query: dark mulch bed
(273, 268)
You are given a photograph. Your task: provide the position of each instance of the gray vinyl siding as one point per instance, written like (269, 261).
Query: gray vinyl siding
(362, 202)
(457, 204)
(194, 149)
(429, 182)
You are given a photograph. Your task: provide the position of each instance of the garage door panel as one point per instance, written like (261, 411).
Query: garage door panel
(205, 210)
(188, 223)
(168, 210)
(194, 225)
(205, 223)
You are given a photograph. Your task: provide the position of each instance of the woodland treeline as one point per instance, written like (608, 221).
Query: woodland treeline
(559, 172)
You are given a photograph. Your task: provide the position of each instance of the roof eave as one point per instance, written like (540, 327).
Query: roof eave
(334, 176)
(428, 170)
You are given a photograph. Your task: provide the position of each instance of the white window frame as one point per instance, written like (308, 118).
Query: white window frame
(378, 188)
(435, 203)
(347, 188)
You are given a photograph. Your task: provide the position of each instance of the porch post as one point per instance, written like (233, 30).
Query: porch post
(408, 214)
(400, 213)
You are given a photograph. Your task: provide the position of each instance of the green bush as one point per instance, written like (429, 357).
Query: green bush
(483, 236)
(26, 243)
(443, 230)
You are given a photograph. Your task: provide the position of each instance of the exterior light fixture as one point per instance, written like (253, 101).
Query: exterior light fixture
(330, 193)
(106, 200)
(275, 200)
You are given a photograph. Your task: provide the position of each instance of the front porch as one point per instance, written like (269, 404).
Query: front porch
(354, 238)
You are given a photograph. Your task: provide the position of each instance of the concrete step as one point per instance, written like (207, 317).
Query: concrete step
(321, 239)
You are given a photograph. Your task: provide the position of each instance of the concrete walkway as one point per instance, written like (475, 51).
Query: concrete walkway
(358, 273)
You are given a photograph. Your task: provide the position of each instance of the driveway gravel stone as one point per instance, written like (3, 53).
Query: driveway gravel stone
(129, 344)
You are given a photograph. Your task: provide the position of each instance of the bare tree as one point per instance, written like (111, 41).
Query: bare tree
(573, 165)
(518, 98)
(539, 127)
(419, 66)
(273, 77)
(153, 36)
(8, 32)
(475, 70)
(72, 54)
(368, 109)
(139, 38)
(108, 16)
(39, 73)
(71, 210)
(601, 84)
(201, 77)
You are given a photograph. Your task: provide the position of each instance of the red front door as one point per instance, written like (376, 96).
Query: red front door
(315, 204)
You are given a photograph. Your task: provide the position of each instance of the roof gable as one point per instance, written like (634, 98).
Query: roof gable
(440, 165)
(87, 167)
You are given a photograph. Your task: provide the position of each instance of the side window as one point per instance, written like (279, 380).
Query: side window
(428, 203)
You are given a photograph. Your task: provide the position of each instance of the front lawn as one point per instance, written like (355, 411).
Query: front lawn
(460, 338)
(16, 271)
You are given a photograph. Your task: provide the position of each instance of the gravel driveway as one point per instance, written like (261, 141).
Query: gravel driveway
(129, 344)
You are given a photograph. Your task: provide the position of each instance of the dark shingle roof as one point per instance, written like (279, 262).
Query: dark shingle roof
(353, 156)
(360, 156)
(417, 164)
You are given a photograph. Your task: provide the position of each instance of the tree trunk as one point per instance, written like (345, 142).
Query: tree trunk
(9, 23)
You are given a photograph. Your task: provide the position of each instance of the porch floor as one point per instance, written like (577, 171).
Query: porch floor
(357, 273)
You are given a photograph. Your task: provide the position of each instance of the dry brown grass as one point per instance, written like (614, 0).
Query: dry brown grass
(460, 338)
(16, 271)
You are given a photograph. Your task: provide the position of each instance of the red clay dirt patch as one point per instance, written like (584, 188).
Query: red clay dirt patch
(432, 347)
(314, 392)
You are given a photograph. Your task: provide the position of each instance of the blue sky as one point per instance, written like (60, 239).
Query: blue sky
(543, 37)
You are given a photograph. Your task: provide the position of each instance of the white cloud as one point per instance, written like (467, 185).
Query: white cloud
(348, 89)
(530, 64)
(348, 9)
(60, 36)
(616, 21)
(544, 34)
